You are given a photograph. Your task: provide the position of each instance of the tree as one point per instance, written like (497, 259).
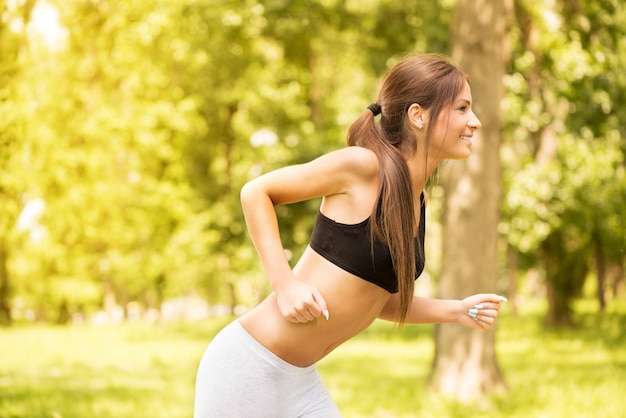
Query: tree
(101, 122)
(565, 88)
(13, 42)
(465, 363)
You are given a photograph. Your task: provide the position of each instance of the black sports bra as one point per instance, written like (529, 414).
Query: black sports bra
(348, 246)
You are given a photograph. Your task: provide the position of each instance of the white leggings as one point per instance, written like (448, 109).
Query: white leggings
(239, 378)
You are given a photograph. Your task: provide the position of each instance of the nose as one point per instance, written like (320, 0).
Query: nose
(474, 122)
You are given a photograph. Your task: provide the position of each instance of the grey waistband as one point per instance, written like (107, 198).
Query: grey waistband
(271, 358)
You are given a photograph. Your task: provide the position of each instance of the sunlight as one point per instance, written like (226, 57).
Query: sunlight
(28, 220)
(45, 26)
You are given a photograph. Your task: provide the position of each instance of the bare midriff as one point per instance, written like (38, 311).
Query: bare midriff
(353, 304)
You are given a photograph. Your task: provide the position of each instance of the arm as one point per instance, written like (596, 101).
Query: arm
(437, 311)
(332, 174)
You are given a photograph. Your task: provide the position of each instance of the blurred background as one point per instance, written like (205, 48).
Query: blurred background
(128, 127)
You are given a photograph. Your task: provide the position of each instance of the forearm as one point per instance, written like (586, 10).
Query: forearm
(424, 310)
(262, 225)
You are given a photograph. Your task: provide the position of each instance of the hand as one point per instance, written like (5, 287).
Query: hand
(300, 303)
(480, 311)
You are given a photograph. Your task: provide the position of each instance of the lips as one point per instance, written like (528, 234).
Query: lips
(467, 139)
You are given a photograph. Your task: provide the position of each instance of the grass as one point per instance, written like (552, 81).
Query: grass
(142, 370)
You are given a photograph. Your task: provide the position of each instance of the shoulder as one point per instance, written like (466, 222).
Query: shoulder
(352, 183)
(353, 161)
(343, 171)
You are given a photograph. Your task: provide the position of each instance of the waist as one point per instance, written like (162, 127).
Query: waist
(353, 304)
(236, 330)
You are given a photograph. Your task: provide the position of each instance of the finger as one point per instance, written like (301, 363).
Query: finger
(321, 303)
(485, 321)
(296, 316)
(488, 311)
(301, 319)
(489, 301)
(308, 310)
(487, 306)
(307, 315)
(486, 316)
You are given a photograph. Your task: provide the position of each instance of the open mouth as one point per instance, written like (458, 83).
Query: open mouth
(467, 139)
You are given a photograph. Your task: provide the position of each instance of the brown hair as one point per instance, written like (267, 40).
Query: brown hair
(432, 82)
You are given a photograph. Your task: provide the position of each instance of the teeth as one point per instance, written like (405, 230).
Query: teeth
(467, 138)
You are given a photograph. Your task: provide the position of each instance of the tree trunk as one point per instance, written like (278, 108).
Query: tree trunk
(566, 269)
(618, 279)
(5, 288)
(511, 267)
(465, 365)
(600, 271)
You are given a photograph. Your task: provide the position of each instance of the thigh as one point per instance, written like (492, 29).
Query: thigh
(239, 378)
(311, 399)
(231, 382)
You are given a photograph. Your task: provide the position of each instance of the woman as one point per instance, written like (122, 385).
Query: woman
(366, 250)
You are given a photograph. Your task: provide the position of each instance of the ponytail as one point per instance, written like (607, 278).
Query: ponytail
(432, 82)
(393, 217)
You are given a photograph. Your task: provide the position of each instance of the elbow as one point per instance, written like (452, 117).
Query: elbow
(244, 194)
(387, 315)
(251, 194)
(389, 311)
(247, 195)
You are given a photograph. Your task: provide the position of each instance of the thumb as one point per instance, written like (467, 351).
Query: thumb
(495, 298)
(321, 302)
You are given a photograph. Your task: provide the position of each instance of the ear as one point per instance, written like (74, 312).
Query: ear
(417, 116)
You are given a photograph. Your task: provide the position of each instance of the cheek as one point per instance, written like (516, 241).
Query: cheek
(445, 133)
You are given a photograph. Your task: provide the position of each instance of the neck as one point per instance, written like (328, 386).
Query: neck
(420, 169)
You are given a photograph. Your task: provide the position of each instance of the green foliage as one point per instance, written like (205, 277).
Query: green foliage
(128, 127)
(565, 155)
(557, 58)
(10, 146)
(579, 192)
(131, 126)
(139, 369)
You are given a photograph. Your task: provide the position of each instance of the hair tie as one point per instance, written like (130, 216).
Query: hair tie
(375, 109)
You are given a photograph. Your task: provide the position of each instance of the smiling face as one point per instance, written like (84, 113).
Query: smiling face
(454, 128)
